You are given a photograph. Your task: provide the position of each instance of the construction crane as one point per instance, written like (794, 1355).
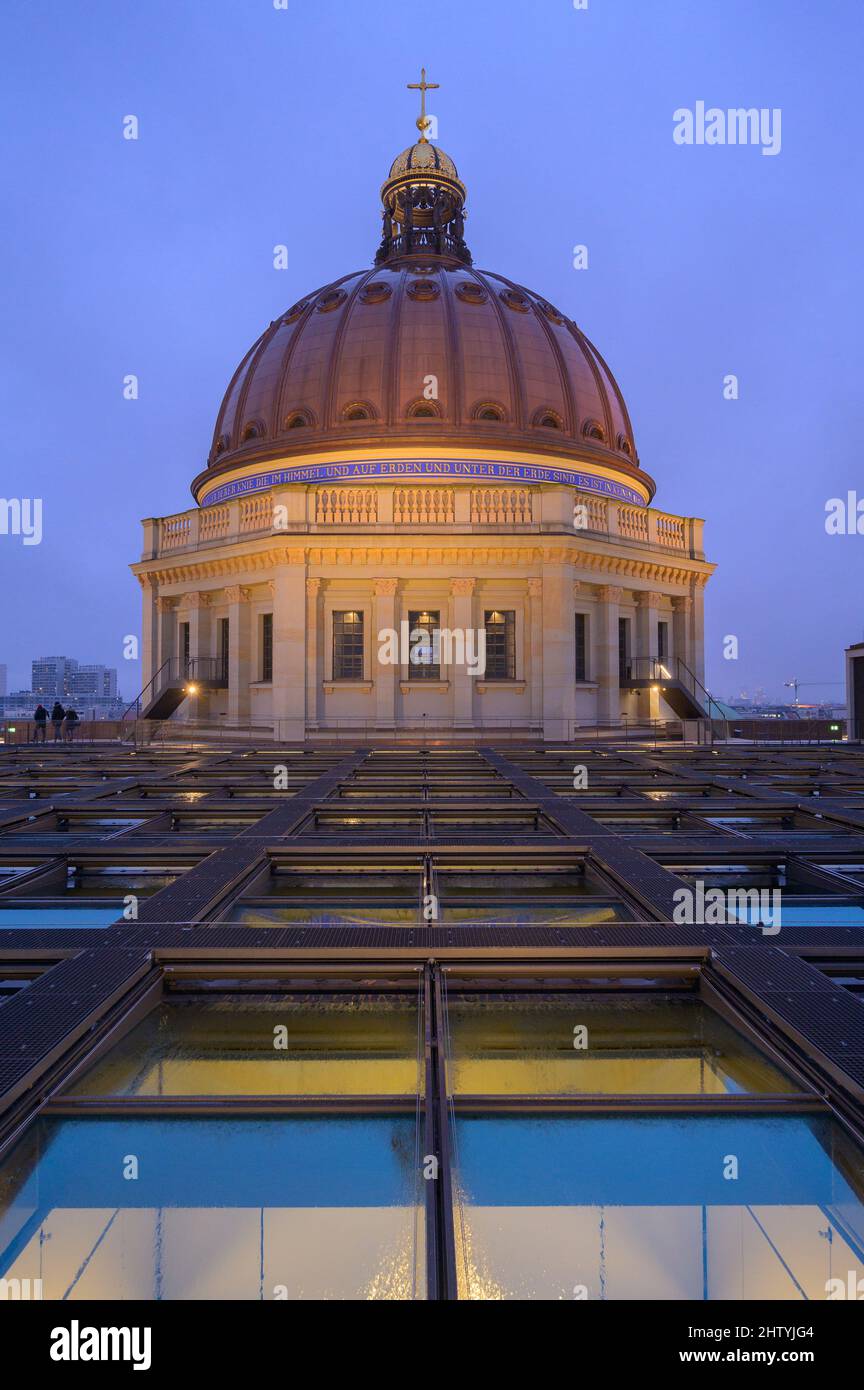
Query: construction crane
(796, 685)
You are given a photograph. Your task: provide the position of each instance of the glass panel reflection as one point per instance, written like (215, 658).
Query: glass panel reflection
(623, 1208)
(287, 1044)
(292, 1208)
(534, 1044)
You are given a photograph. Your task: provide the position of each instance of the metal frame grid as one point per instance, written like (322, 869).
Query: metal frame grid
(83, 988)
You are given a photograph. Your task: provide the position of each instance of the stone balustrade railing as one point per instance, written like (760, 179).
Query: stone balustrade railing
(424, 506)
(417, 506)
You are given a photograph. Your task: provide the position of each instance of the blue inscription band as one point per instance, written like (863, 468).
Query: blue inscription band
(424, 468)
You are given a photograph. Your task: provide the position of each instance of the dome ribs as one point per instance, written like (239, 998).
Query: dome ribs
(517, 385)
(361, 279)
(392, 375)
(280, 405)
(230, 400)
(622, 404)
(240, 412)
(455, 365)
(588, 354)
(371, 338)
(571, 422)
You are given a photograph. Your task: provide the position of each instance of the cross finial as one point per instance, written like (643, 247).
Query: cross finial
(423, 121)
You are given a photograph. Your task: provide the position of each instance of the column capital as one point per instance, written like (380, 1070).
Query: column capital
(384, 588)
(609, 593)
(312, 587)
(236, 593)
(535, 588)
(648, 598)
(166, 605)
(195, 599)
(462, 587)
(683, 604)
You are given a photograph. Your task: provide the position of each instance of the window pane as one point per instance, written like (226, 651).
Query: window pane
(332, 1044)
(643, 1208)
(500, 645)
(527, 1044)
(581, 660)
(263, 1208)
(424, 626)
(348, 646)
(267, 647)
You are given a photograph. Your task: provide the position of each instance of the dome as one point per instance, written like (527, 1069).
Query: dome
(422, 351)
(348, 365)
(423, 158)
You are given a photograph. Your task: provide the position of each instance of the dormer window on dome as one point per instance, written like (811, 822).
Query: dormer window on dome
(489, 411)
(358, 410)
(424, 410)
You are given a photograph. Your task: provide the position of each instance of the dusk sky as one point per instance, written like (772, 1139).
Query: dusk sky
(261, 126)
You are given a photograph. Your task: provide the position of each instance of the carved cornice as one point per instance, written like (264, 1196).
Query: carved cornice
(660, 570)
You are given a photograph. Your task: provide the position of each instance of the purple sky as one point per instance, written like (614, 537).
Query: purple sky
(260, 126)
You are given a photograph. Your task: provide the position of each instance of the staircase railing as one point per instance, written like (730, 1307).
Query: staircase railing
(156, 683)
(659, 669)
(176, 670)
(697, 691)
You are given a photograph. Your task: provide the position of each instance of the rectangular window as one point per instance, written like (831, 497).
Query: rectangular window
(422, 627)
(662, 641)
(267, 647)
(623, 649)
(184, 647)
(224, 631)
(581, 647)
(348, 646)
(500, 645)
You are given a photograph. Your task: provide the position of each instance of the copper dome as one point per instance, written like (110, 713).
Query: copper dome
(423, 350)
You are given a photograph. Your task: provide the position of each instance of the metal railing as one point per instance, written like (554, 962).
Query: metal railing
(652, 668)
(177, 670)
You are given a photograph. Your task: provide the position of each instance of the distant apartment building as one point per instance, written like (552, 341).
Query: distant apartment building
(4, 675)
(50, 676)
(94, 680)
(64, 678)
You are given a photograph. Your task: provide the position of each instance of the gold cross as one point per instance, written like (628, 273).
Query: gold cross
(423, 122)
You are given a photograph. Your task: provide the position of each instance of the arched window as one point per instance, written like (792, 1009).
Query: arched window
(358, 410)
(424, 410)
(489, 410)
(548, 419)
